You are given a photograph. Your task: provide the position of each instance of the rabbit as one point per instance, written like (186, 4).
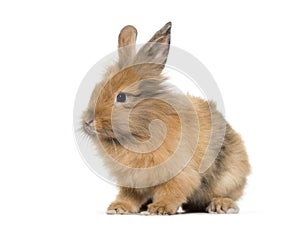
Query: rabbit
(128, 109)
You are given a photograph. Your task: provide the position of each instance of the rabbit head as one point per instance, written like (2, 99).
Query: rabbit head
(130, 96)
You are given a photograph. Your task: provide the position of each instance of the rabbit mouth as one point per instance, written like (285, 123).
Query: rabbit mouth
(92, 131)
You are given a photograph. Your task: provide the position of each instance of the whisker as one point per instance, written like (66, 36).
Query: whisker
(79, 129)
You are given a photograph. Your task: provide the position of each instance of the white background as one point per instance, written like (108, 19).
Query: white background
(252, 48)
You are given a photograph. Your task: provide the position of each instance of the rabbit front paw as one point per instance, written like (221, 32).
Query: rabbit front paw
(121, 207)
(161, 208)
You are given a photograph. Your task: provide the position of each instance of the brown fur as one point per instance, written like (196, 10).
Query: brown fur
(167, 187)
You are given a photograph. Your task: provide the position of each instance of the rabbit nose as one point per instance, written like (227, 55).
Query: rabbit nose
(89, 123)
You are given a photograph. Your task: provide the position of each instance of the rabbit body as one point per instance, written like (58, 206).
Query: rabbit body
(207, 172)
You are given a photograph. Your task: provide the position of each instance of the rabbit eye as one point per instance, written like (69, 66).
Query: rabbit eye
(121, 97)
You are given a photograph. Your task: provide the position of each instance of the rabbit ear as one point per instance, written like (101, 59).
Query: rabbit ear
(127, 39)
(156, 51)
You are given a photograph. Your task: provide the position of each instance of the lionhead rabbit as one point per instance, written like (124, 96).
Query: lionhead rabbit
(154, 141)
